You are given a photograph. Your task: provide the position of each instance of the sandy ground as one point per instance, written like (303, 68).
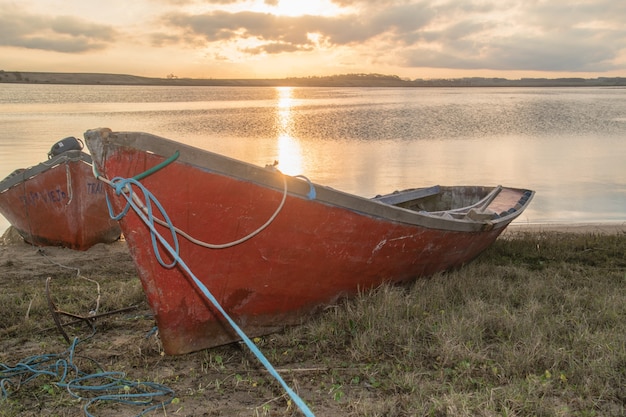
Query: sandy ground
(123, 344)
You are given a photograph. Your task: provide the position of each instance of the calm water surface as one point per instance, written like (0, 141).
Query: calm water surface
(568, 144)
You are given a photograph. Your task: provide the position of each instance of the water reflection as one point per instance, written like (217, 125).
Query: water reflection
(567, 144)
(289, 150)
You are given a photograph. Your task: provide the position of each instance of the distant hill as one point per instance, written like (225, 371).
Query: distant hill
(345, 80)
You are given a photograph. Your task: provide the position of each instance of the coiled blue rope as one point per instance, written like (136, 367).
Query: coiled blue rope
(124, 187)
(96, 387)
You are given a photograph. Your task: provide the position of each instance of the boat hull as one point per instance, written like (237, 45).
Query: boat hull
(313, 253)
(61, 204)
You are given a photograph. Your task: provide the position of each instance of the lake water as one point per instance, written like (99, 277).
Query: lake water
(568, 144)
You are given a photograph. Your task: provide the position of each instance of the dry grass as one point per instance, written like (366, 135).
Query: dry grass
(534, 327)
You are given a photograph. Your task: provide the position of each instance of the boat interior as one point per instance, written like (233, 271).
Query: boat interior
(461, 202)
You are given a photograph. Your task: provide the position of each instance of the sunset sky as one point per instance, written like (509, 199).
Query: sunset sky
(299, 38)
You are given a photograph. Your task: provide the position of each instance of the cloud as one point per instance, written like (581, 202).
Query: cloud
(278, 33)
(64, 34)
(292, 33)
(571, 52)
(579, 36)
(276, 48)
(539, 35)
(542, 36)
(547, 37)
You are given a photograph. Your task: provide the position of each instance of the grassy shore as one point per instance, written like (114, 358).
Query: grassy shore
(536, 326)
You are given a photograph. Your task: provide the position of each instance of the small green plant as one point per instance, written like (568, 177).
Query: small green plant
(48, 389)
(336, 391)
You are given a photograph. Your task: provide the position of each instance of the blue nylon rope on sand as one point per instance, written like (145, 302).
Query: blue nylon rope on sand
(60, 366)
(121, 185)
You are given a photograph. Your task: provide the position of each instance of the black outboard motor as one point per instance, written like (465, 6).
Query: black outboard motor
(68, 144)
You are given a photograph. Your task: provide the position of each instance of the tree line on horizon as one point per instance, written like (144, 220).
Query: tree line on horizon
(341, 80)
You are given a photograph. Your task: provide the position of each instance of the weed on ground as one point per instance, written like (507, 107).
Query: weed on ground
(534, 327)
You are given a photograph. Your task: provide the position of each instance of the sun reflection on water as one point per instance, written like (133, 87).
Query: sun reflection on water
(290, 159)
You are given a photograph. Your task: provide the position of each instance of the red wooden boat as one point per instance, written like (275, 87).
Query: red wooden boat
(272, 248)
(58, 202)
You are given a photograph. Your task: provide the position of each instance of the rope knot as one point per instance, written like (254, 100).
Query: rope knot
(119, 185)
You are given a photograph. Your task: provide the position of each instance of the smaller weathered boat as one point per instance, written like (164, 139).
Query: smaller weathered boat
(268, 249)
(59, 202)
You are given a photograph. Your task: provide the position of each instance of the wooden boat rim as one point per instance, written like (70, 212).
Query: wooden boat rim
(208, 161)
(19, 176)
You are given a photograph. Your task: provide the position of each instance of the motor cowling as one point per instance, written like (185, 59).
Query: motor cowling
(69, 143)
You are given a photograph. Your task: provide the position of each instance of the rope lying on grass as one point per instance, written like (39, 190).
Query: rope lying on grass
(94, 387)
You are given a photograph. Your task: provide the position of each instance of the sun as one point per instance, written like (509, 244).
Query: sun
(299, 8)
(290, 8)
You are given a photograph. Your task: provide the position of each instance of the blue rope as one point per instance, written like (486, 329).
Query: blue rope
(123, 187)
(312, 193)
(60, 366)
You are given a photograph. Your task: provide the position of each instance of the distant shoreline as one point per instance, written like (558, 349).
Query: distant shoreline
(345, 80)
(600, 228)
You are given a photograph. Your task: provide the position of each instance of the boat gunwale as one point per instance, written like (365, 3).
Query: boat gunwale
(223, 165)
(19, 176)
